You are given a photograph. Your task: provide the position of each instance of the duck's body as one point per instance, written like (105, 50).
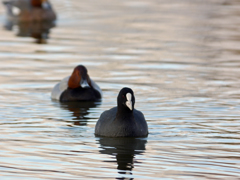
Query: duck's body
(77, 87)
(123, 120)
(29, 10)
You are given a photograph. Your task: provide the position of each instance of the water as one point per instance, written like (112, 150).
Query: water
(180, 58)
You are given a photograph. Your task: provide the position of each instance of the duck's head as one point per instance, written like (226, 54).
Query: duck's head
(79, 78)
(126, 99)
(44, 4)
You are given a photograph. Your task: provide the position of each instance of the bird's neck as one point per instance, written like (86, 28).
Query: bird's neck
(124, 112)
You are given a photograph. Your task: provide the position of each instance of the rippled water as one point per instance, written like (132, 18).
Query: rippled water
(181, 58)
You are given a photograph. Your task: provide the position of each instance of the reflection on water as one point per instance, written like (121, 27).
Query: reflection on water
(124, 150)
(32, 18)
(37, 30)
(80, 110)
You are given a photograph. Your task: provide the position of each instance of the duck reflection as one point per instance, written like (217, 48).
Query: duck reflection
(80, 110)
(125, 149)
(33, 18)
(37, 30)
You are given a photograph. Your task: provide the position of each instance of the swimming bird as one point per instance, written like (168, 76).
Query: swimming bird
(123, 120)
(29, 10)
(77, 87)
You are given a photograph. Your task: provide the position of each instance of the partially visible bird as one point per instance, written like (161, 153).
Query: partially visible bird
(29, 10)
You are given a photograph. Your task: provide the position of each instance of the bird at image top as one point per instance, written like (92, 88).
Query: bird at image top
(123, 120)
(29, 10)
(77, 87)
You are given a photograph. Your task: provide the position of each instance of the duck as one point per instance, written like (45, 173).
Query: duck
(122, 120)
(29, 10)
(77, 87)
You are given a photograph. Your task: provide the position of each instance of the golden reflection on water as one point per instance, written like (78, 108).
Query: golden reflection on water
(181, 58)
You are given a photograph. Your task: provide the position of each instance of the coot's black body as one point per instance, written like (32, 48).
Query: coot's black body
(123, 120)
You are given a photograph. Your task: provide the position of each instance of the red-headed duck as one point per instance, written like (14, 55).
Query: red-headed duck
(29, 10)
(123, 120)
(77, 87)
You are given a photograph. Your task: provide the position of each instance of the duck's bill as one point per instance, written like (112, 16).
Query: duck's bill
(84, 83)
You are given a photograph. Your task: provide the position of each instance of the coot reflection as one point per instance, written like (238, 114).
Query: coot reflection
(80, 110)
(125, 150)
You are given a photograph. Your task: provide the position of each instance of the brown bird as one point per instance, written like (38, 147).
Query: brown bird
(29, 10)
(77, 87)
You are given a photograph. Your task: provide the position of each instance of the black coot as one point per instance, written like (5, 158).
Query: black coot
(123, 120)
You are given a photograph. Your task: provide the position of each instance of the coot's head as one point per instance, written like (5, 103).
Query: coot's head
(79, 78)
(126, 99)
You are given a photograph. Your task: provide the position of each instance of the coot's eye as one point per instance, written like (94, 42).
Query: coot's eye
(123, 96)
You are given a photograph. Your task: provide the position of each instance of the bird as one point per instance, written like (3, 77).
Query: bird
(122, 120)
(29, 10)
(77, 87)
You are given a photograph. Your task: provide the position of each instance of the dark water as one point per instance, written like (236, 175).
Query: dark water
(182, 60)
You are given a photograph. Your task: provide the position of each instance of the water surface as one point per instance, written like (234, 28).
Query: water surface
(180, 58)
